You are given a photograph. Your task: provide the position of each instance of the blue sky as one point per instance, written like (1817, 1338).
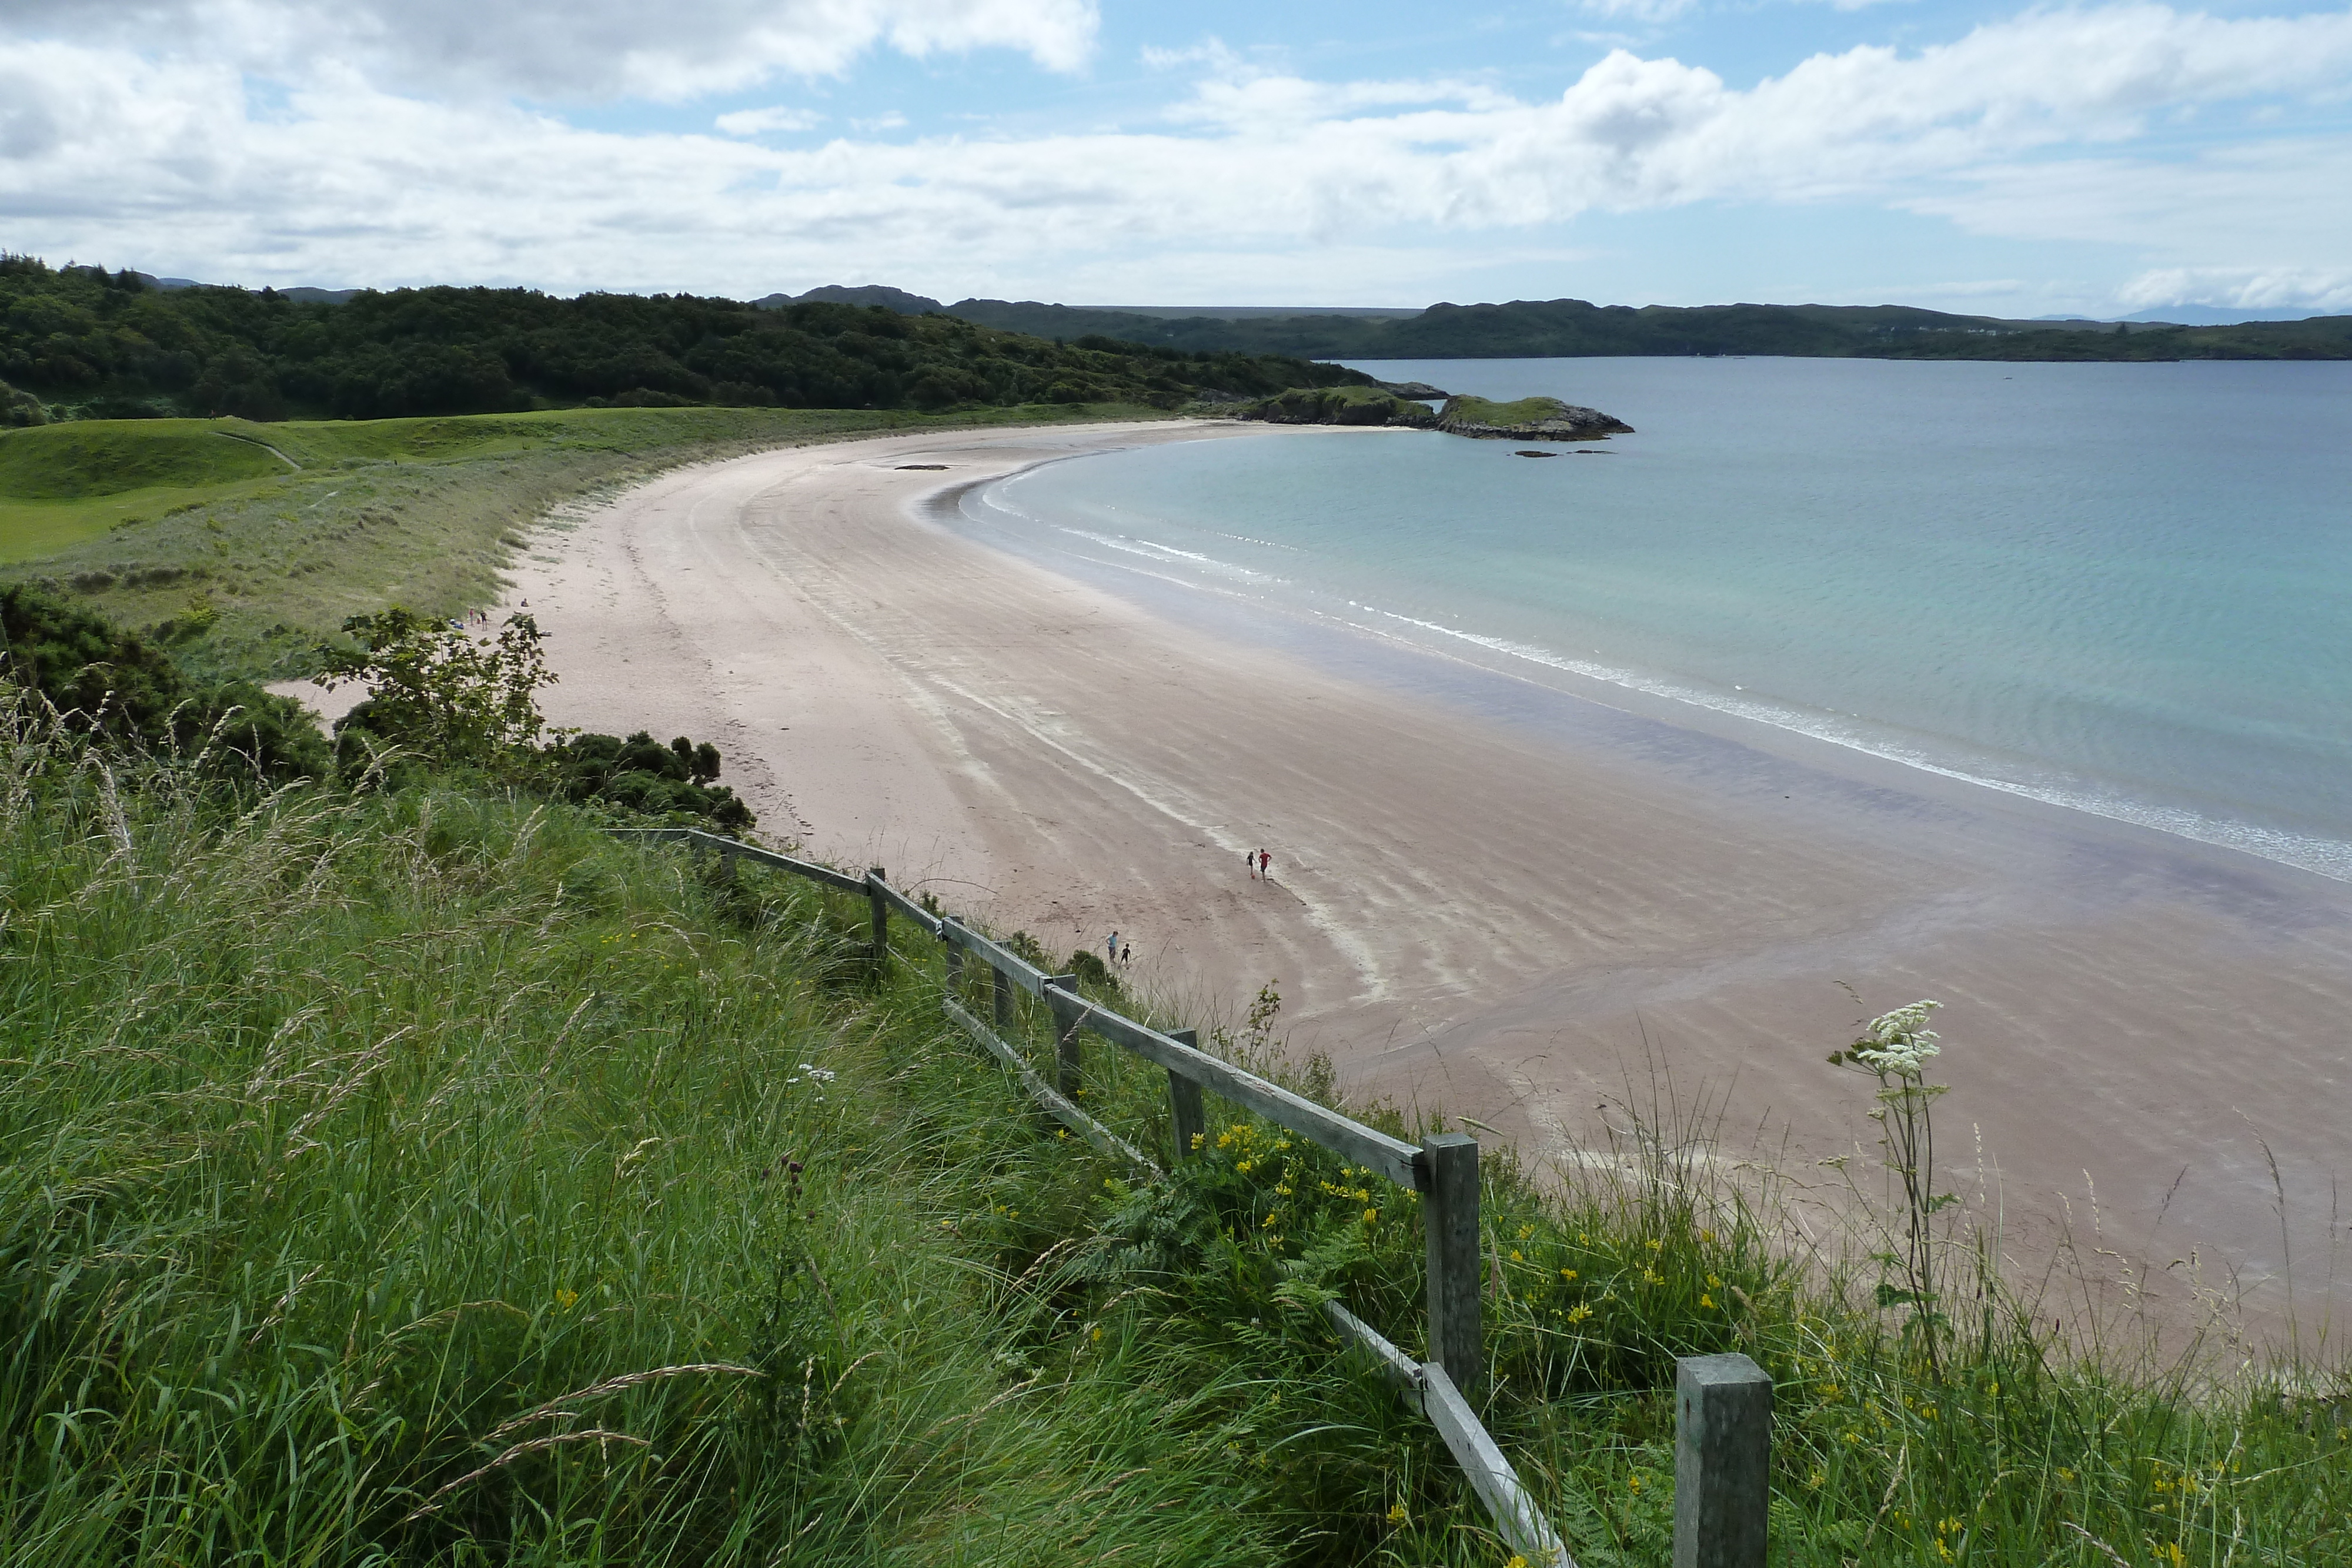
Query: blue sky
(2098, 158)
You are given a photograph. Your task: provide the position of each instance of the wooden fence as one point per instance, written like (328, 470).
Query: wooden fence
(1723, 1402)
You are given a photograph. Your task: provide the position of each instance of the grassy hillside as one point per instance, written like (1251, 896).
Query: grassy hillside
(431, 1178)
(253, 542)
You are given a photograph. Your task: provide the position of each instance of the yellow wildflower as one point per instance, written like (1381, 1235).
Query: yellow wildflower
(1372, 1216)
(1514, 1256)
(1568, 1273)
(1706, 1301)
(1397, 1514)
(564, 1299)
(1578, 1313)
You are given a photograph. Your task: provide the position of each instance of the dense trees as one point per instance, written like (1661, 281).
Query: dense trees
(109, 344)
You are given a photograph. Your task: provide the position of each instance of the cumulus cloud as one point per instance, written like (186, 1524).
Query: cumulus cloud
(106, 151)
(763, 122)
(2322, 290)
(568, 49)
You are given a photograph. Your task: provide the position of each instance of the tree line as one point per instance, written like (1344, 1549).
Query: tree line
(81, 341)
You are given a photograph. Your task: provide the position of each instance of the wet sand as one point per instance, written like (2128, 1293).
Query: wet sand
(1509, 900)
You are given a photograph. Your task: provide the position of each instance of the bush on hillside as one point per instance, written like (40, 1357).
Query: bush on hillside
(19, 407)
(439, 697)
(118, 683)
(642, 775)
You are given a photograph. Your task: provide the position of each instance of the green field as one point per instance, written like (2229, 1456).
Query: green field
(147, 518)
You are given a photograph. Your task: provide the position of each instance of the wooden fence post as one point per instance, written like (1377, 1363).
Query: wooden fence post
(1184, 1099)
(874, 873)
(727, 862)
(1067, 1060)
(1449, 1217)
(1723, 1455)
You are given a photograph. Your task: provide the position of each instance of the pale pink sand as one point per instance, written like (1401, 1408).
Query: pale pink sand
(1512, 920)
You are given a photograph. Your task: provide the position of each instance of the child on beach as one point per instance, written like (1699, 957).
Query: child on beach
(1249, 859)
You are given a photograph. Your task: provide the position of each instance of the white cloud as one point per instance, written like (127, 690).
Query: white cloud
(890, 119)
(761, 121)
(569, 49)
(2322, 290)
(109, 154)
(1652, 12)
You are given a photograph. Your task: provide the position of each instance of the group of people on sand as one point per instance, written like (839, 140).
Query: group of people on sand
(1260, 864)
(1119, 951)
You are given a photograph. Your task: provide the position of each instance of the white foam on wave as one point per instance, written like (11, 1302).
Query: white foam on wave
(2323, 856)
(2326, 857)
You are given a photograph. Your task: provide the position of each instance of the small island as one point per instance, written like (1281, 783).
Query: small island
(1528, 418)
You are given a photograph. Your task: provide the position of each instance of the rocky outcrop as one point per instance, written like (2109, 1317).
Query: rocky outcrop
(1420, 391)
(1530, 419)
(1339, 405)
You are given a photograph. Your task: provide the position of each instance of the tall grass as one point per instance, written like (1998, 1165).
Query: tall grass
(432, 1179)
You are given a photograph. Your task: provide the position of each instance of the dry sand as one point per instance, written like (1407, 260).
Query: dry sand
(1511, 901)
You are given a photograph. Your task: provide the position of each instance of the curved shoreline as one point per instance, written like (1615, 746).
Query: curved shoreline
(1517, 913)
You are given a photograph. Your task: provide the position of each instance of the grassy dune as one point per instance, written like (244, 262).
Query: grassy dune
(432, 1178)
(164, 520)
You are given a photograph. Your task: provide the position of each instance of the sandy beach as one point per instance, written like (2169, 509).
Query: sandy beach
(1507, 900)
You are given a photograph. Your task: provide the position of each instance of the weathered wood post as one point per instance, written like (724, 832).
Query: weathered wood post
(874, 877)
(1723, 1455)
(1449, 1218)
(1184, 1099)
(1062, 996)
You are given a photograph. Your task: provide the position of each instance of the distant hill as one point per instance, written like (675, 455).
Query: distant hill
(79, 341)
(881, 294)
(1566, 329)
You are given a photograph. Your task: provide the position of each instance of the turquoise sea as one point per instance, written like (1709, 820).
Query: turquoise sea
(2125, 588)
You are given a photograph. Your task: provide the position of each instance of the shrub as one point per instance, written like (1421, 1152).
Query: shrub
(118, 684)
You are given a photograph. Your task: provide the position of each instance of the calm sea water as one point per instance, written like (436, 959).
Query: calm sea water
(2123, 588)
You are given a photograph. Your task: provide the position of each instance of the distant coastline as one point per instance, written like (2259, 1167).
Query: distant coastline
(1577, 328)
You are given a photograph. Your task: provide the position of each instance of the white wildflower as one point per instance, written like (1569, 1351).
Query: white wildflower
(1899, 1043)
(820, 1075)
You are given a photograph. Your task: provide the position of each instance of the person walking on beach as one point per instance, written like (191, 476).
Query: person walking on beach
(1114, 947)
(1265, 865)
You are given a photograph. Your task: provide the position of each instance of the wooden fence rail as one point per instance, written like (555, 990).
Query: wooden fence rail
(1723, 1421)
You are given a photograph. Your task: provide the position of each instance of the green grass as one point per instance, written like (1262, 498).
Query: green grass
(145, 516)
(432, 1178)
(1480, 411)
